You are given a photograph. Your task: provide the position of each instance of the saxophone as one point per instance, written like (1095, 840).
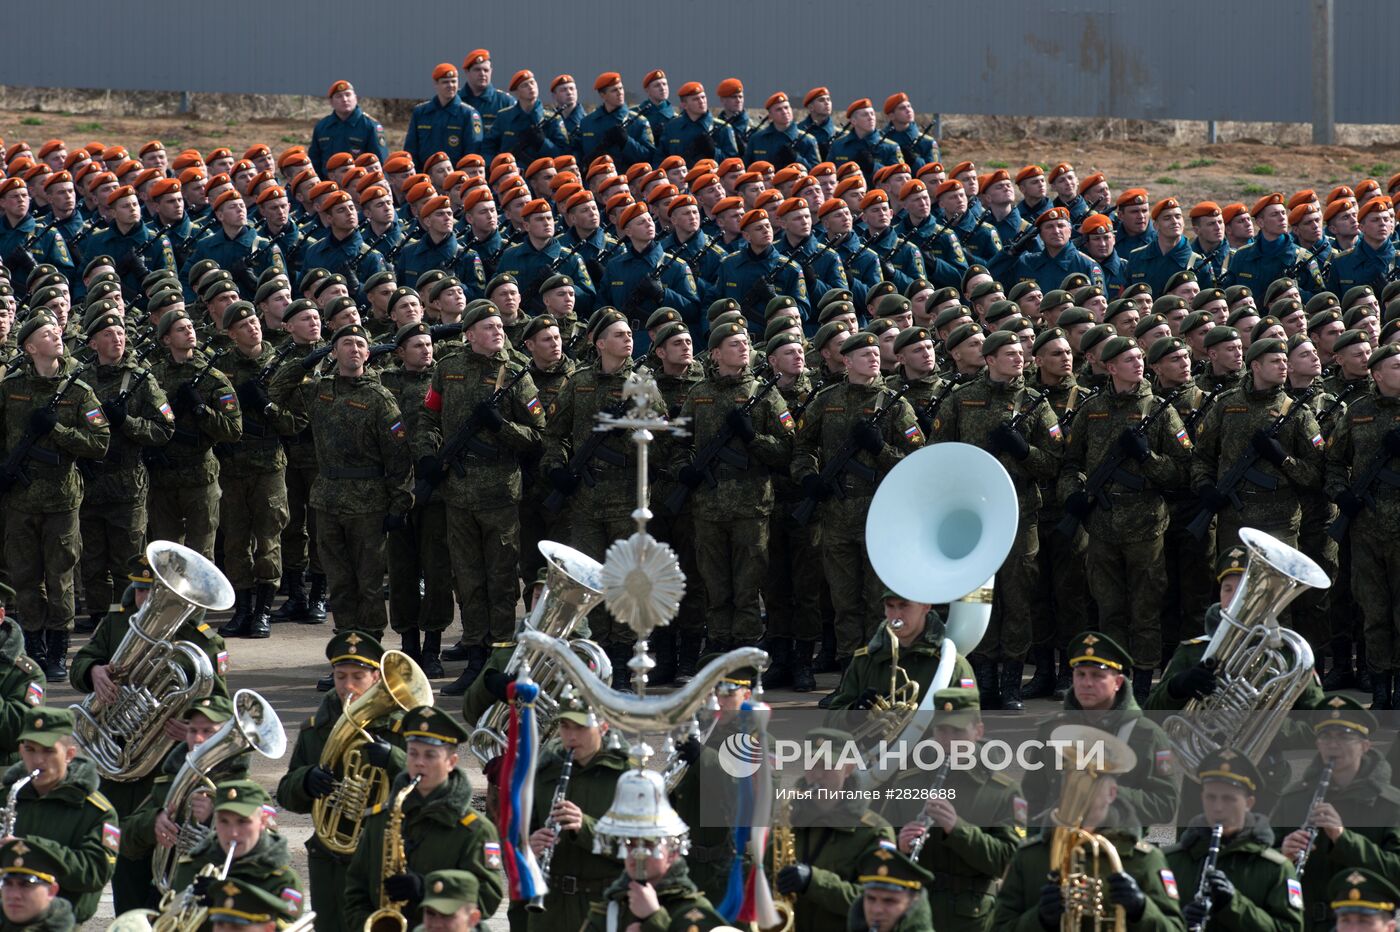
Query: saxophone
(10, 815)
(561, 790)
(784, 844)
(389, 917)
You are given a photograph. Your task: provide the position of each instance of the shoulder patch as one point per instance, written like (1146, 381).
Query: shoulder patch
(861, 652)
(869, 818)
(467, 819)
(1003, 779)
(100, 801)
(1274, 855)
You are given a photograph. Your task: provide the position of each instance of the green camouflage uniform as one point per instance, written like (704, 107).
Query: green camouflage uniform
(1312, 610)
(792, 589)
(1063, 593)
(22, 686)
(679, 530)
(1190, 562)
(299, 536)
(535, 524)
(1260, 875)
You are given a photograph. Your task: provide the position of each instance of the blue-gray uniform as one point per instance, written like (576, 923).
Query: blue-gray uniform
(821, 265)
(1010, 227)
(182, 236)
(629, 269)
(979, 240)
(1048, 271)
(454, 128)
(900, 261)
(1258, 263)
(704, 138)
(1361, 265)
(823, 132)
(916, 147)
(392, 241)
(862, 267)
(594, 249)
(424, 254)
(138, 252)
(703, 255)
(740, 125)
(782, 147)
(573, 125)
(70, 228)
(944, 259)
(531, 267)
(1125, 244)
(1030, 211)
(871, 152)
(1115, 274)
(1078, 209)
(658, 115)
(77, 243)
(1149, 264)
(621, 133)
(350, 257)
(488, 250)
(247, 255)
(1217, 259)
(527, 136)
(359, 132)
(292, 245)
(43, 244)
(487, 104)
(753, 279)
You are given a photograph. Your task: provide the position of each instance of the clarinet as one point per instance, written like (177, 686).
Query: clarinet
(939, 778)
(1212, 854)
(561, 789)
(1318, 797)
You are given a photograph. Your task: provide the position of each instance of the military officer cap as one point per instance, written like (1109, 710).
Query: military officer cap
(878, 291)
(44, 725)
(1390, 314)
(1231, 562)
(1357, 314)
(1263, 348)
(355, 647)
(835, 309)
(538, 324)
(957, 707)
(885, 867)
(1117, 306)
(217, 709)
(270, 273)
(781, 302)
(1093, 648)
(298, 306)
(1046, 337)
(432, 725)
(447, 891)
(149, 283)
(606, 319)
(1323, 318)
(1114, 347)
(1074, 281)
(1220, 335)
(408, 331)
(943, 296)
(1237, 293)
(1206, 296)
(1163, 347)
(241, 797)
(1085, 293)
(1232, 767)
(1384, 351)
(36, 860)
(772, 344)
(350, 330)
(859, 341)
(1148, 323)
(477, 312)
(1180, 278)
(1354, 294)
(556, 281)
(108, 318)
(400, 294)
(1276, 288)
(98, 261)
(972, 272)
(238, 902)
(828, 330)
(911, 335)
(573, 708)
(500, 280)
(662, 315)
(950, 314)
(675, 328)
(237, 312)
(167, 320)
(1358, 890)
(835, 294)
(1168, 303)
(165, 298)
(31, 326)
(1321, 301)
(985, 288)
(1094, 336)
(216, 288)
(918, 285)
(1339, 712)
(426, 280)
(878, 326)
(960, 334)
(382, 277)
(1350, 338)
(892, 305)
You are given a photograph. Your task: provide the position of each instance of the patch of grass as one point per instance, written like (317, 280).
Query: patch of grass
(88, 127)
(995, 164)
(1380, 168)
(1357, 168)
(1166, 179)
(292, 140)
(1255, 189)
(230, 122)
(31, 121)
(1262, 169)
(1334, 180)
(1174, 166)
(1200, 163)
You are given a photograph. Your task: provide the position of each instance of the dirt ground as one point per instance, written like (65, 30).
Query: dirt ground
(1132, 155)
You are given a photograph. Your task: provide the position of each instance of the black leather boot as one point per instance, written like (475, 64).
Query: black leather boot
(295, 605)
(315, 602)
(1395, 690)
(1064, 680)
(1363, 669)
(56, 656)
(1341, 675)
(1142, 685)
(827, 661)
(1381, 684)
(688, 655)
(457, 652)
(620, 654)
(237, 626)
(87, 625)
(663, 648)
(987, 684)
(36, 647)
(431, 663)
(779, 672)
(1010, 682)
(803, 680)
(1042, 684)
(260, 622)
(476, 660)
(410, 643)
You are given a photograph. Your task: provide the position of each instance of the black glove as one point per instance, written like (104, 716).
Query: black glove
(795, 878)
(132, 265)
(393, 522)
(318, 782)
(247, 282)
(1051, 906)
(252, 396)
(1124, 891)
(187, 398)
(115, 411)
(1220, 890)
(614, 137)
(429, 469)
(648, 291)
(1134, 444)
(1007, 439)
(1195, 682)
(691, 476)
(741, 422)
(563, 480)
(496, 684)
(1195, 913)
(1349, 503)
(1022, 245)
(489, 416)
(1079, 504)
(379, 753)
(865, 700)
(690, 749)
(532, 135)
(201, 886)
(405, 887)
(1214, 499)
(867, 437)
(1392, 442)
(42, 420)
(764, 291)
(814, 488)
(1269, 448)
(20, 262)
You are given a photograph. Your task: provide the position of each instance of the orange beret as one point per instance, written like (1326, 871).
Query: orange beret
(433, 159)
(219, 153)
(1133, 197)
(789, 205)
(911, 187)
(768, 197)
(762, 167)
(655, 74)
(599, 166)
(1166, 203)
(11, 184)
(80, 155)
(435, 203)
(444, 70)
(536, 206)
(377, 178)
(109, 154)
(848, 169)
(1337, 206)
(728, 203)
(338, 160)
(813, 94)
(803, 183)
(1059, 170)
(874, 197)
(962, 167)
(606, 80)
(146, 176)
(127, 167)
(846, 185)
(296, 155)
(55, 144)
(1094, 179)
(155, 145)
(87, 169)
(398, 166)
(1393, 182)
(730, 165)
(1379, 202)
(94, 149)
(788, 173)
(933, 168)
(166, 186)
(194, 175)
(663, 191)
(475, 196)
(638, 169)
(1054, 213)
(631, 212)
(828, 205)
(1296, 215)
(512, 194)
(1305, 196)
(893, 101)
(256, 151)
(476, 57)
(671, 162)
(882, 174)
(618, 201)
(125, 190)
(500, 171)
(1000, 174)
(683, 200)
(334, 199)
(944, 187)
(222, 179)
(561, 79)
(859, 104)
(1205, 209)
(372, 193)
(691, 88)
(775, 99)
(524, 74)
(337, 87)
(419, 191)
(270, 193)
(1370, 184)
(704, 181)
(503, 158)
(748, 178)
(559, 180)
(34, 172)
(576, 200)
(59, 177)
(1268, 200)
(1340, 191)
(822, 168)
(612, 181)
(1095, 223)
(220, 201)
(752, 216)
(1030, 171)
(1231, 211)
(537, 166)
(729, 87)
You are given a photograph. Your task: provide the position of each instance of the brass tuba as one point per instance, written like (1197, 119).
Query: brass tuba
(126, 739)
(254, 725)
(1261, 668)
(393, 859)
(1083, 859)
(339, 817)
(571, 589)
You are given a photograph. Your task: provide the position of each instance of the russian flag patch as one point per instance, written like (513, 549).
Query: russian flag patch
(534, 406)
(1317, 441)
(34, 695)
(228, 402)
(166, 412)
(221, 661)
(1169, 883)
(111, 836)
(396, 430)
(785, 419)
(492, 850)
(1055, 431)
(292, 898)
(967, 683)
(911, 432)
(95, 417)
(1295, 894)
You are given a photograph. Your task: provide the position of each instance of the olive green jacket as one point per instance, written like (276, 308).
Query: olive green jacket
(114, 627)
(22, 686)
(738, 492)
(1267, 898)
(683, 907)
(1227, 432)
(82, 431)
(266, 866)
(57, 918)
(590, 788)
(120, 476)
(831, 842)
(870, 666)
(918, 918)
(139, 828)
(289, 381)
(362, 448)
(188, 461)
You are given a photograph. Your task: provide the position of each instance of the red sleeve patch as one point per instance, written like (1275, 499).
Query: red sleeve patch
(433, 401)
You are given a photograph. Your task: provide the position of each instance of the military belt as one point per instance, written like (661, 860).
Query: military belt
(569, 885)
(1265, 481)
(44, 457)
(352, 472)
(185, 436)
